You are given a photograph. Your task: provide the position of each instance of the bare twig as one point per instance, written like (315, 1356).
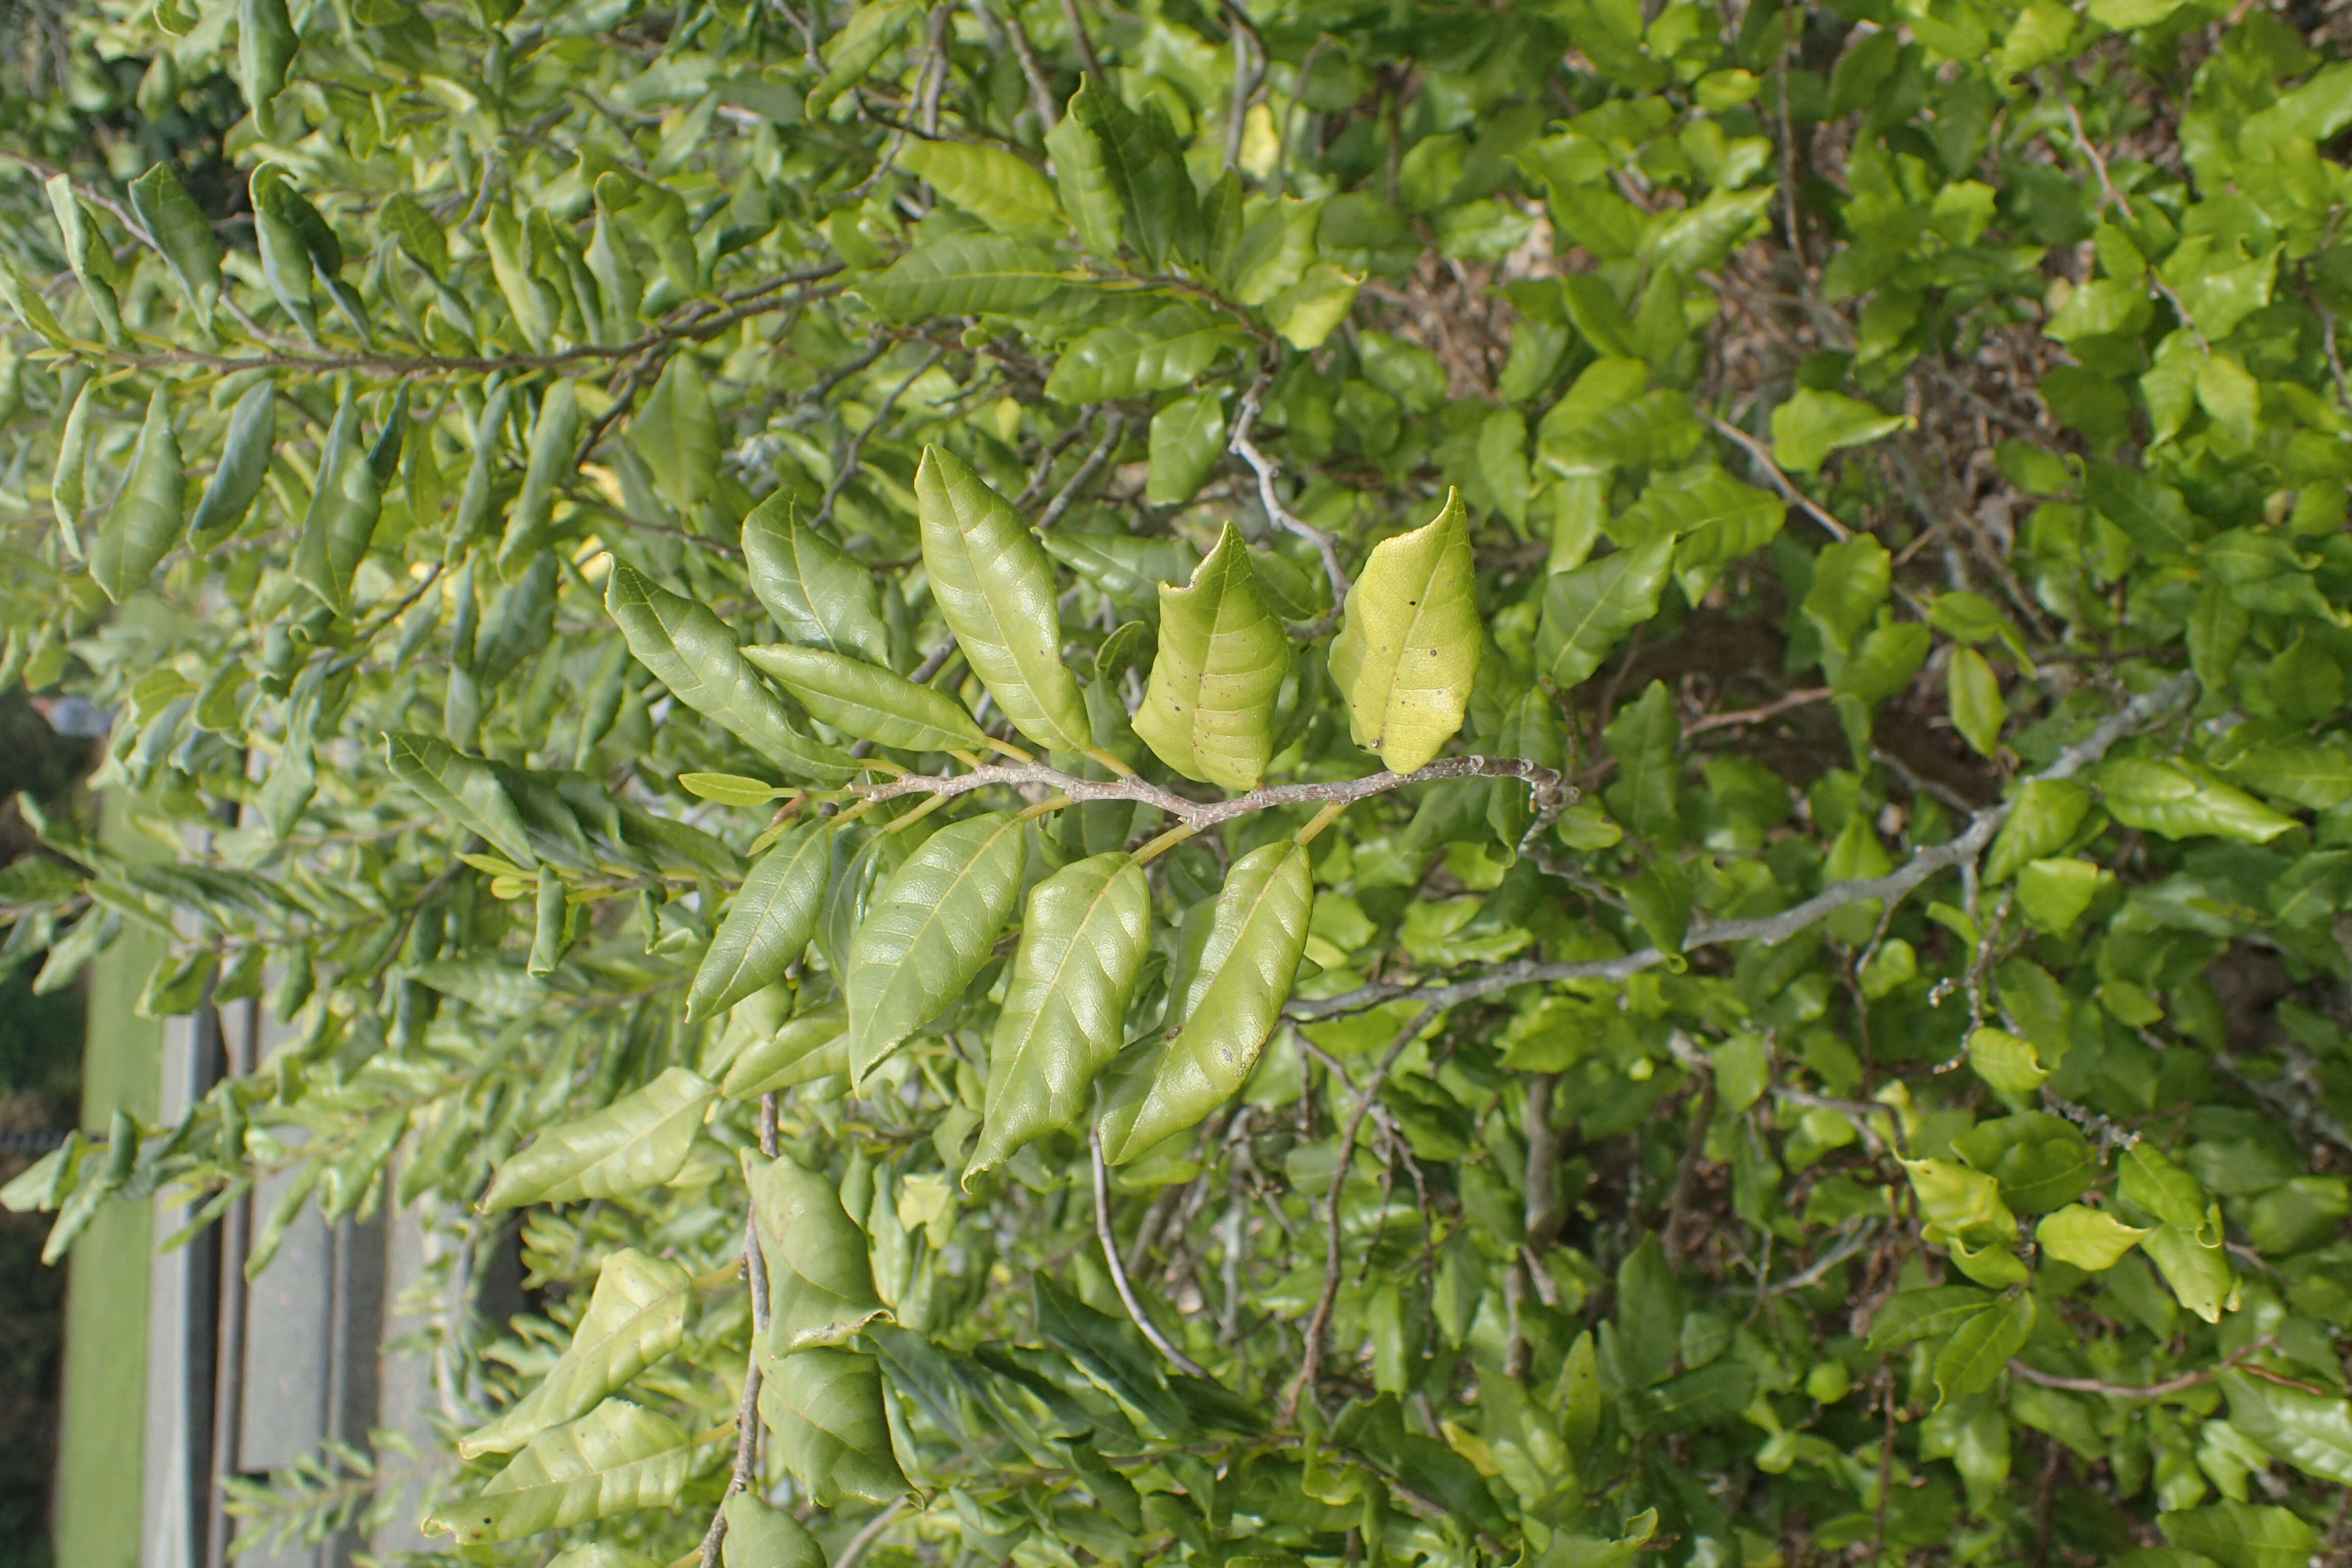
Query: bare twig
(1321, 1321)
(1267, 469)
(1762, 456)
(746, 1474)
(2169, 1385)
(1773, 930)
(851, 458)
(1159, 1343)
(1201, 814)
(1113, 426)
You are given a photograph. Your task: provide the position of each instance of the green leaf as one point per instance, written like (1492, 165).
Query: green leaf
(1221, 659)
(551, 458)
(2199, 1271)
(869, 702)
(1225, 999)
(872, 32)
(182, 233)
(1850, 581)
(635, 1317)
(2086, 1238)
(1980, 1346)
(677, 435)
(2152, 513)
(640, 1141)
(1588, 610)
(1188, 438)
(929, 932)
(2169, 798)
(243, 465)
(994, 586)
(2043, 819)
(1170, 347)
(1921, 1314)
(1978, 711)
(818, 596)
(1143, 168)
(143, 523)
(691, 651)
(2310, 1431)
(961, 275)
(464, 789)
(1090, 194)
(820, 1286)
(730, 789)
(1646, 739)
(2242, 1535)
(1811, 425)
(823, 1410)
(767, 925)
(2006, 1061)
(342, 515)
(1082, 940)
(617, 1458)
(265, 48)
(806, 1046)
(759, 1536)
(1409, 644)
(999, 187)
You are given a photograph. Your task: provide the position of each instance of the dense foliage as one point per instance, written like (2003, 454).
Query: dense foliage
(1364, 784)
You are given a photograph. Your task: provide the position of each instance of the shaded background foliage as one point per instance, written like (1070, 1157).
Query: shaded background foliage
(1888, 460)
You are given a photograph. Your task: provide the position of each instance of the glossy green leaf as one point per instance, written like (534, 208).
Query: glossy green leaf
(635, 1317)
(2242, 1535)
(767, 925)
(182, 233)
(144, 521)
(1811, 425)
(1188, 438)
(1924, 1313)
(817, 596)
(996, 185)
(2310, 1431)
(1082, 940)
(929, 930)
(265, 47)
(68, 484)
(1588, 610)
(2086, 1238)
(962, 275)
(549, 460)
(2169, 798)
(994, 588)
(465, 790)
(243, 465)
(2043, 819)
(1170, 347)
(1850, 581)
(1974, 694)
(617, 1458)
(1227, 998)
(691, 651)
(820, 1286)
(806, 1046)
(1220, 661)
(760, 1536)
(1410, 640)
(822, 1408)
(1082, 175)
(869, 702)
(1646, 739)
(640, 1141)
(344, 508)
(1140, 164)
(1980, 1346)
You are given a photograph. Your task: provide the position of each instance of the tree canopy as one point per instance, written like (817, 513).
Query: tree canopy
(1336, 783)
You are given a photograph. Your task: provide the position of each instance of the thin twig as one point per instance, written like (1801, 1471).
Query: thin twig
(1321, 1321)
(1267, 469)
(2168, 1386)
(1546, 783)
(1113, 428)
(1773, 930)
(1762, 455)
(1159, 1343)
(851, 458)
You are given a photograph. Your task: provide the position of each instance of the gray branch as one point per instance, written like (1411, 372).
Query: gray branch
(1546, 783)
(1773, 930)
